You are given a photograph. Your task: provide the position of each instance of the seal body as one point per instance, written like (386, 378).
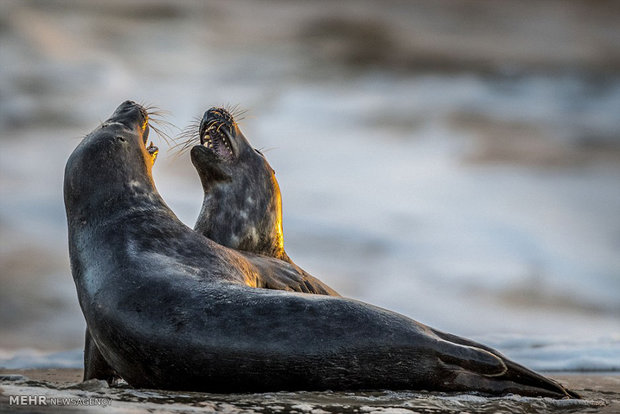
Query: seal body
(164, 316)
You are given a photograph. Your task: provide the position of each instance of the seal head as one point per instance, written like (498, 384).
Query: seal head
(114, 146)
(242, 206)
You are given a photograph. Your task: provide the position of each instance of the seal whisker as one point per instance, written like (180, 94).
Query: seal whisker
(162, 127)
(188, 137)
(185, 144)
(160, 132)
(237, 113)
(265, 150)
(154, 109)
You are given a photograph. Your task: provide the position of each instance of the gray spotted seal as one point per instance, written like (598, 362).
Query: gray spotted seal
(242, 204)
(164, 316)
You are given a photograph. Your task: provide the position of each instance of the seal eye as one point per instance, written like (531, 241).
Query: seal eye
(121, 139)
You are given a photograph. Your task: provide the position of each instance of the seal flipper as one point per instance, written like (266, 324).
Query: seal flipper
(516, 381)
(95, 366)
(302, 282)
(524, 377)
(515, 371)
(279, 275)
(315, 286)
(484, 369)
(472, 359)
(468, 381)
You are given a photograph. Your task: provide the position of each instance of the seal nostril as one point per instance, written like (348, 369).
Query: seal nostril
(121, 139)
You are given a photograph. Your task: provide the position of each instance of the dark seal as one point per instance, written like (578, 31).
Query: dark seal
(287, 277)
(242, 204)
(170, 309)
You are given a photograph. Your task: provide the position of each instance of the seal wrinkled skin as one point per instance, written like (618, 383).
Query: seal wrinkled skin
(242, 205)
(170, 309)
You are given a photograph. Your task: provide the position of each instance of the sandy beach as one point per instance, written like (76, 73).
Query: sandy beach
(600, 392)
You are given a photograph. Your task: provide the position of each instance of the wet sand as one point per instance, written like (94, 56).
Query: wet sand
(600, 392)
(58, 376)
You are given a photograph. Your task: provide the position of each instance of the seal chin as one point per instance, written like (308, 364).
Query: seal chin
(209, 165)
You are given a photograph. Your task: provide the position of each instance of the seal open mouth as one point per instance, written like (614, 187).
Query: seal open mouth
(216, 133)
(151, 148)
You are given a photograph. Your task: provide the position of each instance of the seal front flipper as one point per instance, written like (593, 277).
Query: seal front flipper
(315, 286)
(95, 366)
(279, 275)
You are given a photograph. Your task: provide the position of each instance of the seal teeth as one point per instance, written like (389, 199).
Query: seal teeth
(216, 138)
(208, 142)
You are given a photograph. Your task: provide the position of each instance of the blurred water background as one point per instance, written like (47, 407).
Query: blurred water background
(455, 161)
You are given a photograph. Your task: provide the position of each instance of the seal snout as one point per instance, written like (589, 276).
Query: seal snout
(217, 133)
(132, 115)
